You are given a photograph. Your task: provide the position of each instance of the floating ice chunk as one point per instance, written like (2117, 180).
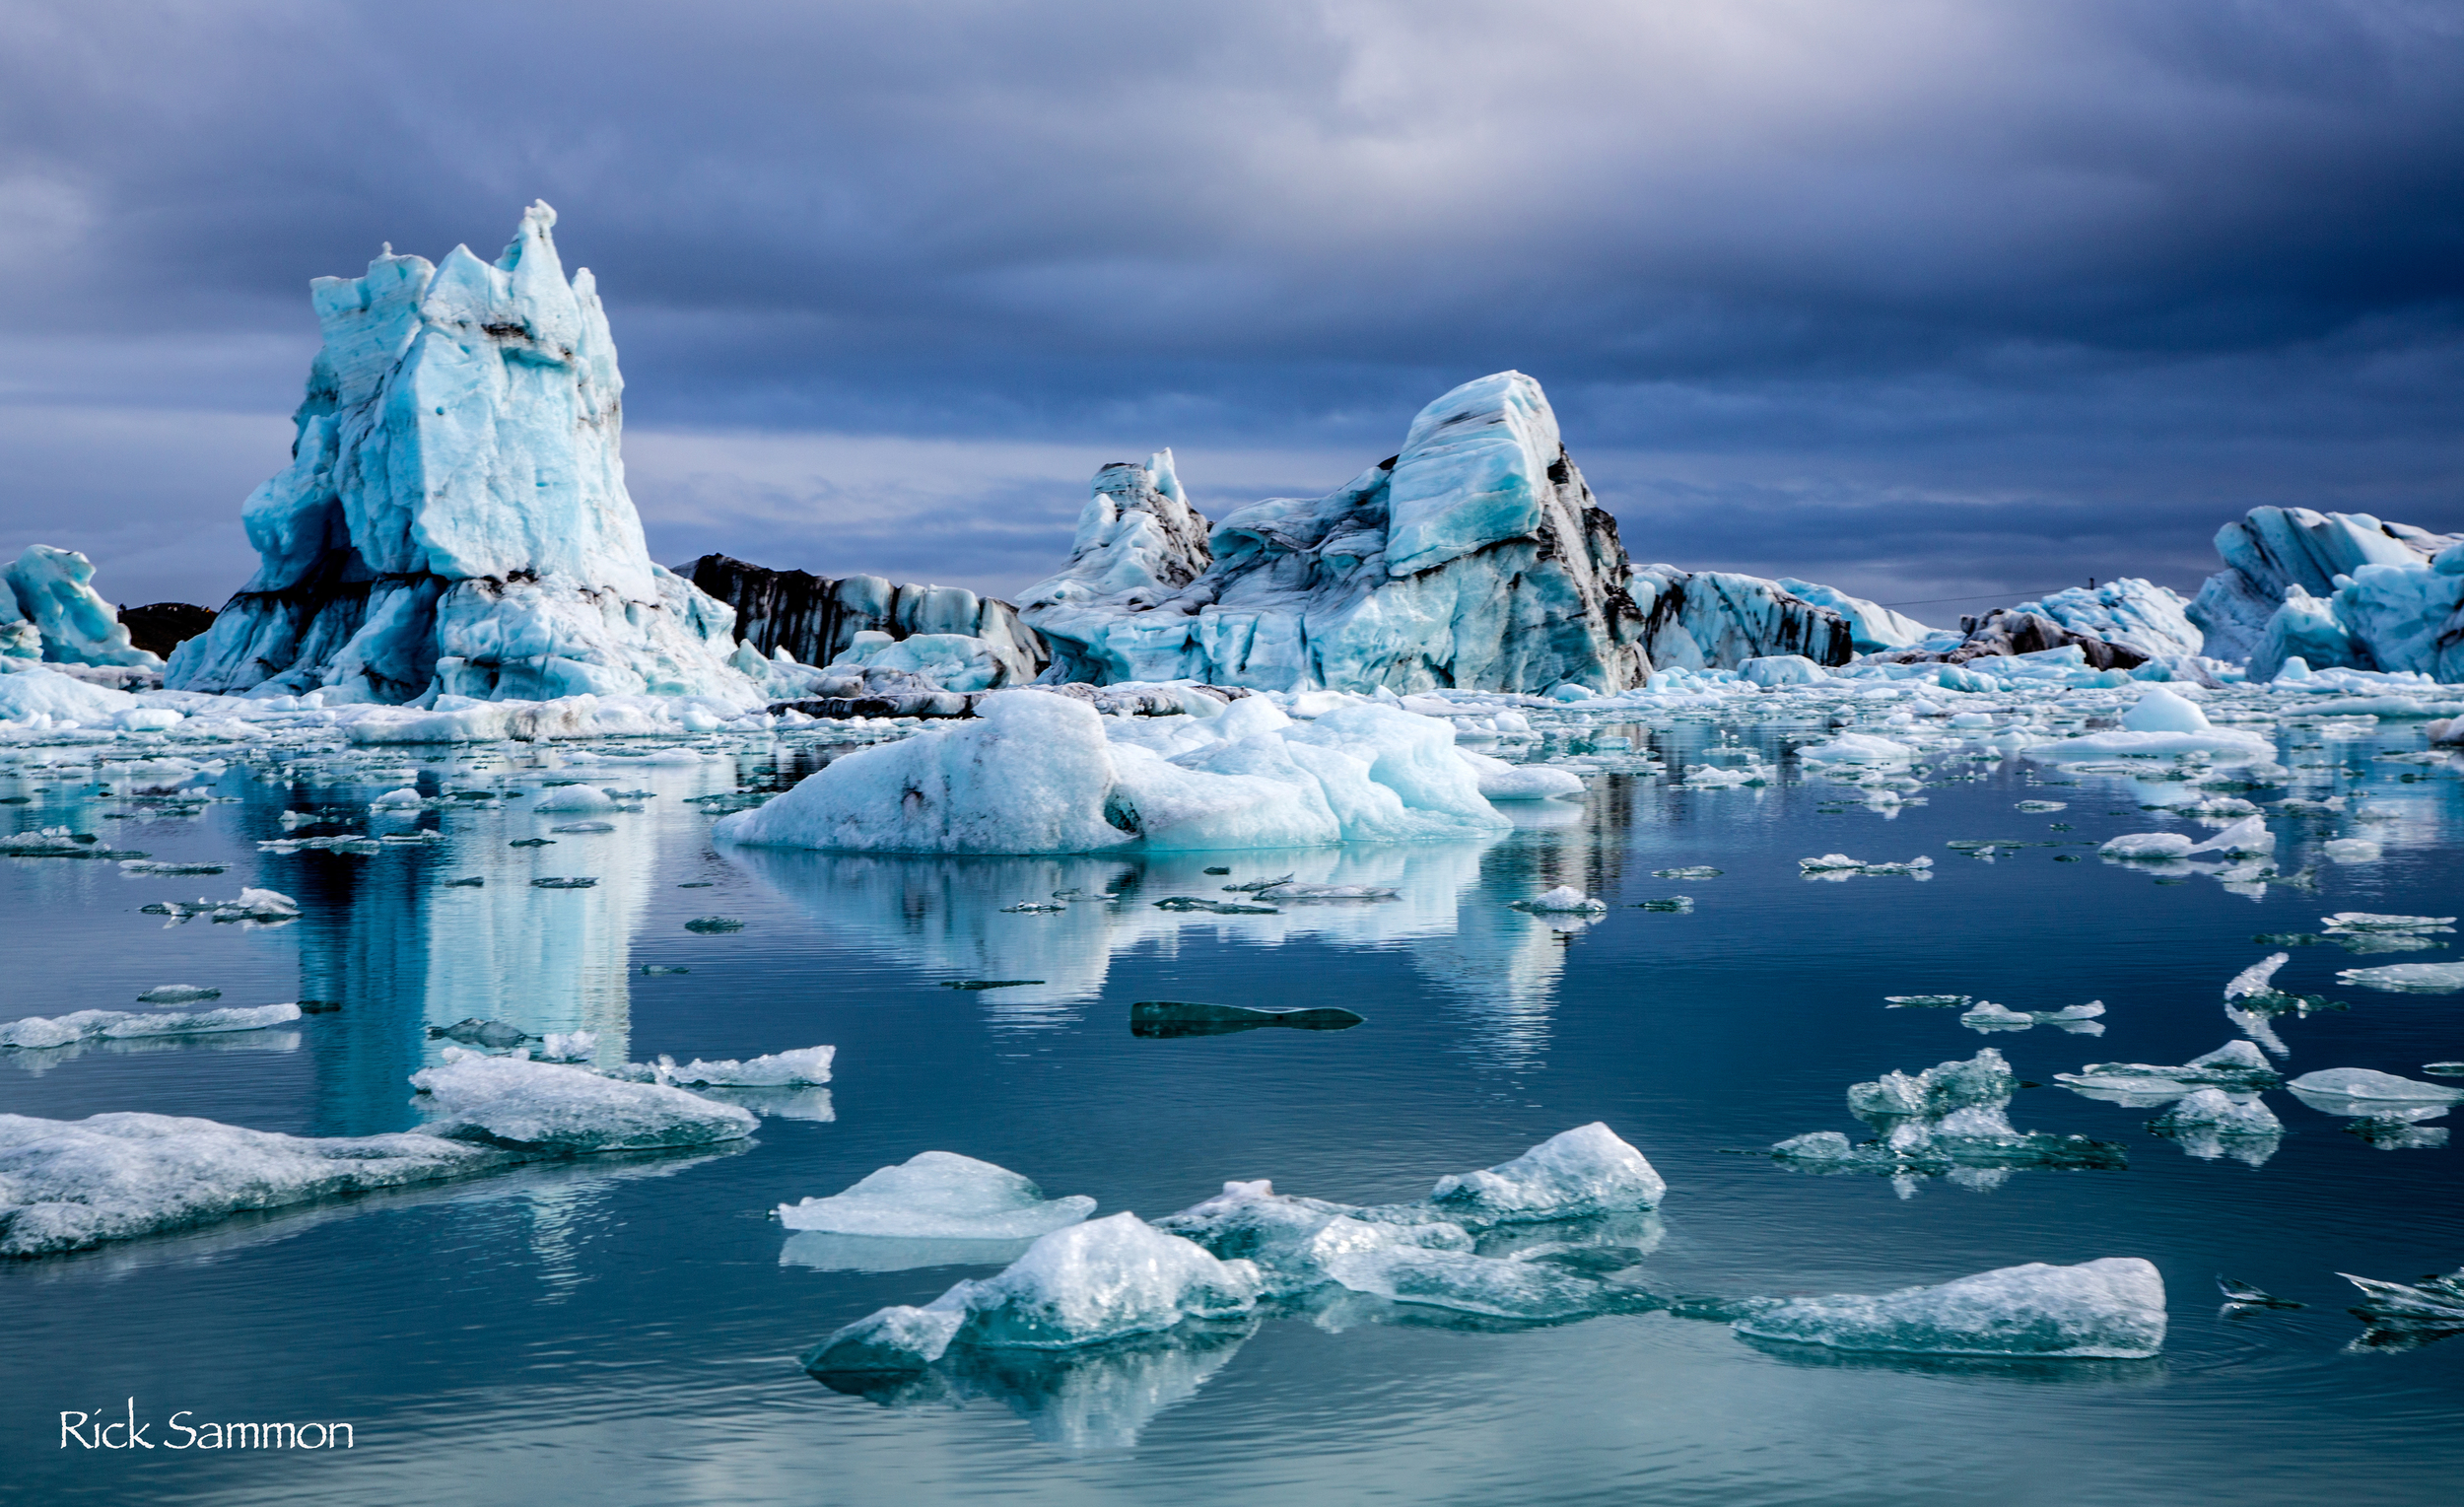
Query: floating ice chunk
(2408, 977)
(2110, 1308)
(1082, 1284)
(1565, 899)
(403, 799)
(939, 1196)
(2216, 1110)
(575, 797)
(2435, 1301)
(569, 1046)
(1989, 1016)
(119, 1025)
(1983, 1079)
(1838, 866)
(1856, 748)
(264, 907)
(2363, 1085)
(178, 993)
(1925, 1002)
(481, 1033)
(2235, 1065)
(1290, 892)
(2350, 850)
(1713, 778)
(545, 1107)
(2246, 836)
(2039, 808)
(2240, 1294)
(778, 1069)
(1501, 781)
(2160, 710)
(1691, 871)
(1587, 1170)
(2364, 920)
(66, 1185)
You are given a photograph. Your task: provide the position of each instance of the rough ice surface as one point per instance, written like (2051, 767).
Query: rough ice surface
(1870, 627)
(455, 519)
(1704, 620)
(1564, 899)
(2216, 1110)
(795, 621)
(939, 1196)
(2235, 1064)
(1038, 773)
(533, 1106)
(2367, 1085)
(2137, 614)
(2408, 977)
(2335, 589)
(66, 1185)
(36, 1031)
(2147, 845)
(2112, 1308)
(778, 1069)
(51, 610)
(2370, 921)
(1082, 1284)
(1475, 558)
(1952, 1118)
(1583, 1171)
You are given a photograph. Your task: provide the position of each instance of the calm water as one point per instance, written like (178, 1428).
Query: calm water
(627, 1332)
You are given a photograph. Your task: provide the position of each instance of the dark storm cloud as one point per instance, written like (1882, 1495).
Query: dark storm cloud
(1932, 297)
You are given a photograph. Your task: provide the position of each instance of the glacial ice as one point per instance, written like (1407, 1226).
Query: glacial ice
(529, 1106)
(1583, 1171)
(1475, 558)
(2132, 612)
(1870, 627)
(67, 1184)
(454, 521)
(2408, 977)
(1088, 1283)
(50, 598)
(1565, 899)
(2160, 710)
(939, 1196)
(2236, 1066)
(2111, 1307)
(1950, 1117)
(2212, 1109)
(1986, 1015)
(35, 1031)
(1038, 773)
(2334, 590)
(778, 1069)
(249, 905)
(33, 693)
(1707, 620)
(2435, 1301)
(1838, 866)
(2366, 1086)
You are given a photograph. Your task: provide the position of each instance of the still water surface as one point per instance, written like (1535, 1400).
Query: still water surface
(628, 1331)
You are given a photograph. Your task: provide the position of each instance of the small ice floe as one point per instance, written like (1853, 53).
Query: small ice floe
(57, 843)
(154, 867)
(1564, 900)
(799, 1067)
(2365, 920)
(575, 799)
(1181, 1017)
(1676, 904)
(1985, 1015)
(939, 1196)
(1201, 903)
(2241, 1297)
(2148, 845)
(567, 1046)
(2408, 977)
(1691, 871)
(1707, 777)
(2367, 1088)
(2212, 1111)
(351, 843)
(983, 984)
(2042, 806)
(475, 1032)
(2350, 850)
(2443, 1069)
(713, 926)
(1925, 1002)
(1290, 893)
(36, 1031)
(2112, 1309)
(405, 799)
(178, 993)
(585, 826)
(260, 907)
(2236, 1066)
(2432, 1302)
(564, 884)
(528, 1106)
(1838, 866)
(1035, 908)
(1952, 1118)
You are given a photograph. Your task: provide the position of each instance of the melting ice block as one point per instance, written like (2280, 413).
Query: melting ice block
(66, 1185)
(36, 1031)
(529, 1106)
(2235, 1065)
(2110, 1308)
(2215, 1110)
(778, 1069)
(1565, 899)
(2408, 977)
(939, 1196)
(1083, 1284)
(1587, 1170)
(2366, 1086)
(2147, 845)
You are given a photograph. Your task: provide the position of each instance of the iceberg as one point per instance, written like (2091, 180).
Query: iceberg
(525, 1106)
(1038, 773)
(939, 1196)
(454, 521)
(1474, 558)
(2335, 589)
(52, 611)
(68, 1184)
(1871, 627)
(1587, 1170)
(2150, 620)
(1701, 620)
(816, 621)
(36, 1031)
(2111, 1307)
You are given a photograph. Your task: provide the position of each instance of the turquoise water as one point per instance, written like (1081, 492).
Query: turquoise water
(628, 1329)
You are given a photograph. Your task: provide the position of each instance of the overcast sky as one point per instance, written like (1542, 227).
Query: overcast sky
(1921, 299)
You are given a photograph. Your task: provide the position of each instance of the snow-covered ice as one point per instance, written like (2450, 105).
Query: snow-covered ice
(2111, 1307)
(939, 1196)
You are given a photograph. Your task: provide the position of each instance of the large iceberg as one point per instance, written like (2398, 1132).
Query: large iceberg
(50, 610)
(819, 621)
(2112, 1308)
(455, 516)
(1034, 771)
(2150, 620)
(1475, 558)
(2335, 589)
(1696, 620)
(1870, 625)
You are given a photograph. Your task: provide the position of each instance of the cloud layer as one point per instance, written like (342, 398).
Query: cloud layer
(1925, 297)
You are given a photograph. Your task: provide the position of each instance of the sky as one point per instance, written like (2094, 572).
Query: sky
(1941, 303)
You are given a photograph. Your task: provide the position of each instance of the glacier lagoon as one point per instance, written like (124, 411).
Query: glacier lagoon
(632, 1326)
